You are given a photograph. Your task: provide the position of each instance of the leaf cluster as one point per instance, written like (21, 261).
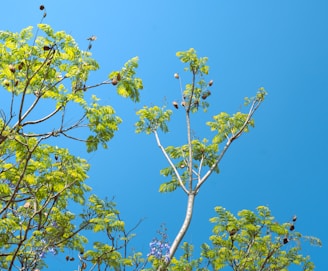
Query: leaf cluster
(254, 241)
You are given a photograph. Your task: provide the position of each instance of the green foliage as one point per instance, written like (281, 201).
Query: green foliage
(195, 93)
(186, 261)
(51, 67)
(227, 125)
(127, 84)
(153, 118)
(195, 64)
(254, 241)
(40, 183)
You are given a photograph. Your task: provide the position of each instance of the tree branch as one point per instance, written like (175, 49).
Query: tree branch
(171, 163)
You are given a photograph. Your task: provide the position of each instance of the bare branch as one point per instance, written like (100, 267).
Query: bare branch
(171, 163)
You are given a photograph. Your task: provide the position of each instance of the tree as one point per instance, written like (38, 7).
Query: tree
(190, 166)
(46, 77)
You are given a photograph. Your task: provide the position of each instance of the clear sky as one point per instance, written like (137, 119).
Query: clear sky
(281, 45)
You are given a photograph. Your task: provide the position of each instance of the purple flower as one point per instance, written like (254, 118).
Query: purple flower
(159, 249)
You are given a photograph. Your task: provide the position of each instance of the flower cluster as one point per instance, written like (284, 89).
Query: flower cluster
(45, 248)
(160, 249)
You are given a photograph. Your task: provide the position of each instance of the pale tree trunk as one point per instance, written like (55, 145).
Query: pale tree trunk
(185, 225)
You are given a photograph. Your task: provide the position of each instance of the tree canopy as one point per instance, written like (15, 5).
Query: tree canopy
(39, 181)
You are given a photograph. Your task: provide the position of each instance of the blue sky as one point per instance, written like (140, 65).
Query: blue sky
(278, 44)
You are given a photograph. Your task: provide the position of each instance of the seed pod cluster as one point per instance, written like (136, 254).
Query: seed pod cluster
(68, 258)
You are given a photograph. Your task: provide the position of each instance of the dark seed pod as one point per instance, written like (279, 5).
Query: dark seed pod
(67, 258)
(210, 83)
(16, 83)
(196, 103)
(232, 232)
(294, 218)
(285, 240)
(56, 157)
(292, 227)
(175, 104)
(72, 259)
(206, 94)
(41, 7)
(118, 76)
(21, 65)
(46, 48)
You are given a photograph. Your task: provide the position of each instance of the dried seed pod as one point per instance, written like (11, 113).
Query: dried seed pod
(285, 240)
(47, 48)
(292, 227)
(41, 7)
(12, 68)
(118, 76)
(16, 83)
(294, 218)
(72, 259)
(183, 103)
(92, 38)
(56, 157)
(175, 104)
(232, 232)
(210, 83)
(6, 83)
(176, 76)
(67, 258)
(206, 94)
(21, 65)
(27, 205)
(196, 103)
(114, 81)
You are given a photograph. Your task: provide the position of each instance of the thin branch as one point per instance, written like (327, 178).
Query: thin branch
(43, 119)
(171, 163)
(20, 118)
(254, 107)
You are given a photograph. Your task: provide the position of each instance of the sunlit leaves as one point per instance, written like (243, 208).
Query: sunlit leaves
(103, 122)
(152, 118)
(39, 181)
(195, 64)
(252, 241)
(51, 66)
(227, 125)
(127, 84)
